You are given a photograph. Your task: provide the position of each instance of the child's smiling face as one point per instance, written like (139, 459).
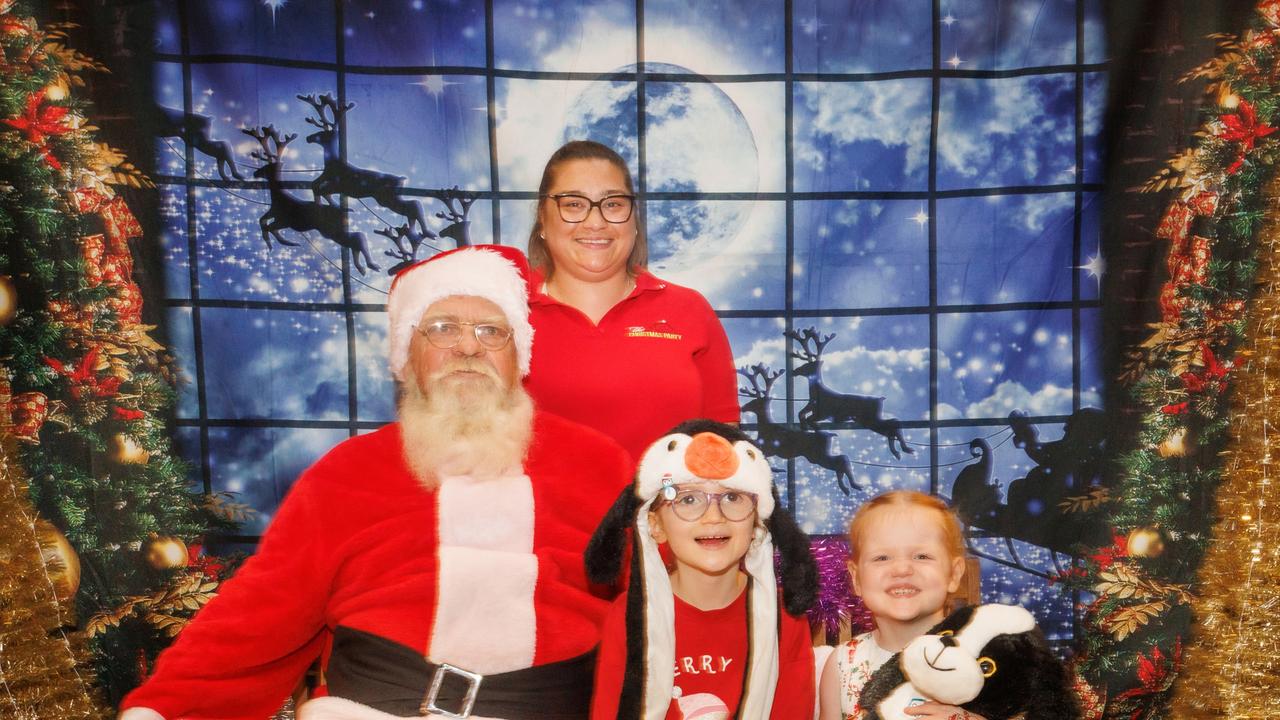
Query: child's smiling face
(904, 571)
(712, 544)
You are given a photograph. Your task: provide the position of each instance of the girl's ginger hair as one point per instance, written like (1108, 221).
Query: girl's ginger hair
(952, 532)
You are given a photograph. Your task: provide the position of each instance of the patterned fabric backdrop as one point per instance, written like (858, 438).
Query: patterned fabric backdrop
(907, 191)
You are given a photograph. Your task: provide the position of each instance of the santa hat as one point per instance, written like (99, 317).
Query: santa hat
(497, 273)
(650, 614)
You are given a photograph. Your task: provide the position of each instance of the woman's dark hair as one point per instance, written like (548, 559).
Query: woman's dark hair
(539, 257)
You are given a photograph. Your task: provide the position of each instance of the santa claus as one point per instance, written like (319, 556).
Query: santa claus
(436, 563)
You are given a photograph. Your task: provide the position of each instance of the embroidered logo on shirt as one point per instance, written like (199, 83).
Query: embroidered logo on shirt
(702, 706)
(659, 330)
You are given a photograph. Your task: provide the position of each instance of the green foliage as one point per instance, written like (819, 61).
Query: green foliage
(100, 462)
(1140, 607)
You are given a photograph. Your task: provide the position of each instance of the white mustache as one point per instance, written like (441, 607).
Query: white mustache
(467, 365)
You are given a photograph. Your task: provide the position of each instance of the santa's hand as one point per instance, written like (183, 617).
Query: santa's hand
(938, 711)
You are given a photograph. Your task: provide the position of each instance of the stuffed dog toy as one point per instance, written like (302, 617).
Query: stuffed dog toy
(991, 660)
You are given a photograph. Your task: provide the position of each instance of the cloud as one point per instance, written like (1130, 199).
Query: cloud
(1016, 131)
(868, 112)
(772, 353)
(1033, 212)
(947, 411)
(1050, 399)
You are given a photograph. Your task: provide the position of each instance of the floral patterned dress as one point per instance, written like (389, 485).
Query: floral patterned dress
(857, 660)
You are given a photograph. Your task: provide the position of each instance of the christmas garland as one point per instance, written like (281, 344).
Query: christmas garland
(1141, 589)
(86, 388)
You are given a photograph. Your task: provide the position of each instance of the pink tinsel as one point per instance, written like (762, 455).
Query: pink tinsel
(836, 603)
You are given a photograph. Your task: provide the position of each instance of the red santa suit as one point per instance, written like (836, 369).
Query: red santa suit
(485, 575)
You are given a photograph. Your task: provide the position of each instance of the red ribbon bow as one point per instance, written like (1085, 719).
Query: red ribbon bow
(84, 379)
(39, 123)
(1243, 127)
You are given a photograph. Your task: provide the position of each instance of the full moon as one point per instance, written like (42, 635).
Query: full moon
(697, 140)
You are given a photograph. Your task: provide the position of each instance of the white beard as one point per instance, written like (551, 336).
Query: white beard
(467, 426)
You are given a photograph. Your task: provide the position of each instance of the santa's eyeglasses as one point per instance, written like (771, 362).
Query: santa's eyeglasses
(445, 334)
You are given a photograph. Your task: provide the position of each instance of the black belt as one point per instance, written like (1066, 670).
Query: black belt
(397, 679)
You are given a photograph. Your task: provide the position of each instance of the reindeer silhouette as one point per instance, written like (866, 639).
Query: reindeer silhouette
(290, 212)
(340, 177)
(826, 404)
(780, 440)
(456, 215)
(193, 130)
(406, 255)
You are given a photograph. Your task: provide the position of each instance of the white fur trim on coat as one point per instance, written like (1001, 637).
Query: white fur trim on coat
(473, 271)
(495, 629)
(140, 713)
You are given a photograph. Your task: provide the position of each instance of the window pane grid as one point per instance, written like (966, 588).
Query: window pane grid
(814, 207)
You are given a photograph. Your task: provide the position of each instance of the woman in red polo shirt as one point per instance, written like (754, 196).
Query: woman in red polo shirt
(616, 348)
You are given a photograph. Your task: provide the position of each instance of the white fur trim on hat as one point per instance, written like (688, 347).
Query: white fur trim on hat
(476, 271)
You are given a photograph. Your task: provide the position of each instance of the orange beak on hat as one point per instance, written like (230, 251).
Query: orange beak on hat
(711, 457)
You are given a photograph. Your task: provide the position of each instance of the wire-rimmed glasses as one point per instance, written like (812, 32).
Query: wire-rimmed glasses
(445, 334)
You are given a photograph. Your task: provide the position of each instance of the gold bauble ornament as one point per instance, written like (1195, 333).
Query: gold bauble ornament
(59, 89)
(1175, 445)
(1227, 99)
(60, 559)
(126, 451)
(166, 553)
(1145, 542)
(8, 299)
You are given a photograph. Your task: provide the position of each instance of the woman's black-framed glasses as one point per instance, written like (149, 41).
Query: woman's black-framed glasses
(690, 505)
(575, 208)
(445, 334)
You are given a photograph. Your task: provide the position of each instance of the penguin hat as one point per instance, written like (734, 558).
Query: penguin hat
(700, 451)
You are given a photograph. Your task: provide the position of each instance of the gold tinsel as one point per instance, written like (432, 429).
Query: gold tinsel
(41, 662)
(1230, 669)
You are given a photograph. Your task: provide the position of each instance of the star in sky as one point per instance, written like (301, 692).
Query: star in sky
(954, 61)
(434, 85)
(920, 218)
(949, 20)
(1095, 267)
(811, 26)
(274, 5)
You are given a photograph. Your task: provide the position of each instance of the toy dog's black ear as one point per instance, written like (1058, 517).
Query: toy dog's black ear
(1030, 681)
(607, 547)
(956, 620)
(1051, 695)
(881, 684)
(799, 569)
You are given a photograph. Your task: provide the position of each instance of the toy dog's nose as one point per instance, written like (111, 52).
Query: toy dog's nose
(948, 640)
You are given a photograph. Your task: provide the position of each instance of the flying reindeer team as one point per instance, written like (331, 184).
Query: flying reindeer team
(565, 522)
